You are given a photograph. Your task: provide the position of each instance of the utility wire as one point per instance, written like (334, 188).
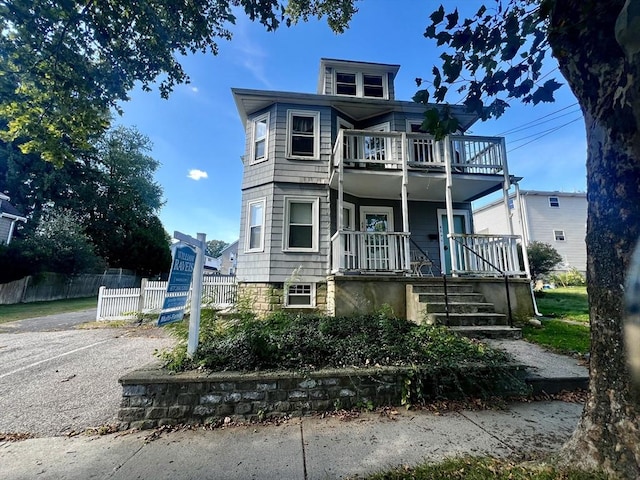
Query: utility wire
(515, 130)
(519, 127)
(537, 133)
(546, 132)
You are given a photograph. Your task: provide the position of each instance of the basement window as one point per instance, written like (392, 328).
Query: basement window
(300, 295)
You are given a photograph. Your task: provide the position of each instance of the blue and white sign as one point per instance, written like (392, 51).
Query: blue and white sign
(184, 261)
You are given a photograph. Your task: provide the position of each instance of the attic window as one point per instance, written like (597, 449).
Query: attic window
(372, 86)
(554, 202)
(346, 84)
(358, 84)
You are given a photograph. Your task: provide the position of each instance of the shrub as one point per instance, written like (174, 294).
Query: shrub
(311, 341)
(572, 278)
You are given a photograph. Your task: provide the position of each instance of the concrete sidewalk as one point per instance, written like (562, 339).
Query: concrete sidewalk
(306, 448)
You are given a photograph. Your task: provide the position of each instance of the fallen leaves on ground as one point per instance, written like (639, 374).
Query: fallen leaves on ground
(14, 436)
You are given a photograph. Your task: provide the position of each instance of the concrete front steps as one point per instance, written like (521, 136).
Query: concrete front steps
(469, 313)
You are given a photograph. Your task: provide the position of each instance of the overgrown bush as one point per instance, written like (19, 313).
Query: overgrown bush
(311, 341)
(572, 278)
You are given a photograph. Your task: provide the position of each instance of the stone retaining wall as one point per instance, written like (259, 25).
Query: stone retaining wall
(153, 396)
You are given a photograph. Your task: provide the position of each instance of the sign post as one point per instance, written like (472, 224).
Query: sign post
(187, 264)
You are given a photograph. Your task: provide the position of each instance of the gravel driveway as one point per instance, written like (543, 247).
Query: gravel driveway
(56, 382)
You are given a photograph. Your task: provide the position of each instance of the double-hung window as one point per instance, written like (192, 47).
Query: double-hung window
(260, 135)
(554, 202)
(301, 224)
(358, 84)
(559, 236)
(255, 226)
(303, 129)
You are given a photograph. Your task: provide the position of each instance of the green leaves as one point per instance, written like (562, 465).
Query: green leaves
(498, 55)
(65, 65)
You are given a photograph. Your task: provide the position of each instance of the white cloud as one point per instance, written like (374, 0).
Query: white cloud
(195, 174)
(194, 89)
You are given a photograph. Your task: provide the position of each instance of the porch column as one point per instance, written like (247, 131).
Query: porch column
(525, 236)
(449, 203)
(405, 202)
(506, 185)
(340, 213)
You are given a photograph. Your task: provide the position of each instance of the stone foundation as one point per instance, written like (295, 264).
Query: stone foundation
(265, 298)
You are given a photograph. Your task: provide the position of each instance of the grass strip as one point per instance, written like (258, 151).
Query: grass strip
(20, 311)
(569, 303)
(471, 468)
(560, 336)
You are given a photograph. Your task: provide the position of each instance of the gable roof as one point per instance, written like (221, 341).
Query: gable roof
(8, 210)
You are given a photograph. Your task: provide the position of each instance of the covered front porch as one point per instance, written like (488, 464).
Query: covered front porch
(427, 186)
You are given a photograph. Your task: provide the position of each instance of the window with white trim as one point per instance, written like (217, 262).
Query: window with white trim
(554, 202)
(260, 134)
(301, 224)
(300, 295)
(558, 235)
(303, 134)
(255, 226)
(360, 84)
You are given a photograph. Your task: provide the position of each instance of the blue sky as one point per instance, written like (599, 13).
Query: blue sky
(198, 137)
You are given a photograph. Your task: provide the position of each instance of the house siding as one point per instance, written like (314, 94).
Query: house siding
(297, 170)
(540, 220)
(571, 217)
(254, 266)
(5, 226)
(298, 266)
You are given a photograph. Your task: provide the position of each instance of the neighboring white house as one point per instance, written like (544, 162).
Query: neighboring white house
(9, 215)
(342, 189)
(228, 259)
(556, 218)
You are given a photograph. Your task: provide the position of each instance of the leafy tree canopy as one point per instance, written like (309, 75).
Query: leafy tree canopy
(66, 64)
(214, 247)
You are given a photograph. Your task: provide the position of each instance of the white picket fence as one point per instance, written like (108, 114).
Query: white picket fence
(218, 291)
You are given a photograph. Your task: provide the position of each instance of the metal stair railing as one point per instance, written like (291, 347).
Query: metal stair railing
(503, 273)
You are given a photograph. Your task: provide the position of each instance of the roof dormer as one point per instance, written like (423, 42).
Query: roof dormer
(357, 79)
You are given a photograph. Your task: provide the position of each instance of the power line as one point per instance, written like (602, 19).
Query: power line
(515, 130)
(546, 132)
(519, 127)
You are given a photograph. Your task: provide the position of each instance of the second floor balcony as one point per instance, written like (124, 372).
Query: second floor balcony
(473, 165)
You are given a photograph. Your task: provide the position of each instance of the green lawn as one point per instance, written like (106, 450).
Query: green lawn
(569, 303)
(10, 313)
(560, 336)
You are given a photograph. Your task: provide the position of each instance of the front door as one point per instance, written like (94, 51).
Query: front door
(378, 249)
(460, 225)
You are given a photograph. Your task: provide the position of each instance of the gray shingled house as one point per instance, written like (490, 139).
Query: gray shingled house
(9, 215)
(347, 205)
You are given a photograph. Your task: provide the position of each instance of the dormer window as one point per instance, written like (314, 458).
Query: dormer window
(372, 86)
(358, 84)
(346, 84)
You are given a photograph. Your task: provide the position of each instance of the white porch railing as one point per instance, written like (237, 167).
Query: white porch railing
(370, 251)
(467, 154)
(218, 291)
(486, 254)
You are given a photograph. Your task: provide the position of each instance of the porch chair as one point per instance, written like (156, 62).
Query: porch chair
(420, 260)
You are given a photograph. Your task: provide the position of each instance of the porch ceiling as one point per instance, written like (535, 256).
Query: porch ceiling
(422, 186)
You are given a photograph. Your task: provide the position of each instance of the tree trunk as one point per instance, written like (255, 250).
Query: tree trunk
(605, 83)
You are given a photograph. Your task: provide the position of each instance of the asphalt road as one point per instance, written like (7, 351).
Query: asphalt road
(65, 379)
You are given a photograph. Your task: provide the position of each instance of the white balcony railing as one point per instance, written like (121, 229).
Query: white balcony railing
(467, 154)
(370, 251)
(486, 254)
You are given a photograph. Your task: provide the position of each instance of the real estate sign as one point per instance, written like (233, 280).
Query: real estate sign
(184, 260)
